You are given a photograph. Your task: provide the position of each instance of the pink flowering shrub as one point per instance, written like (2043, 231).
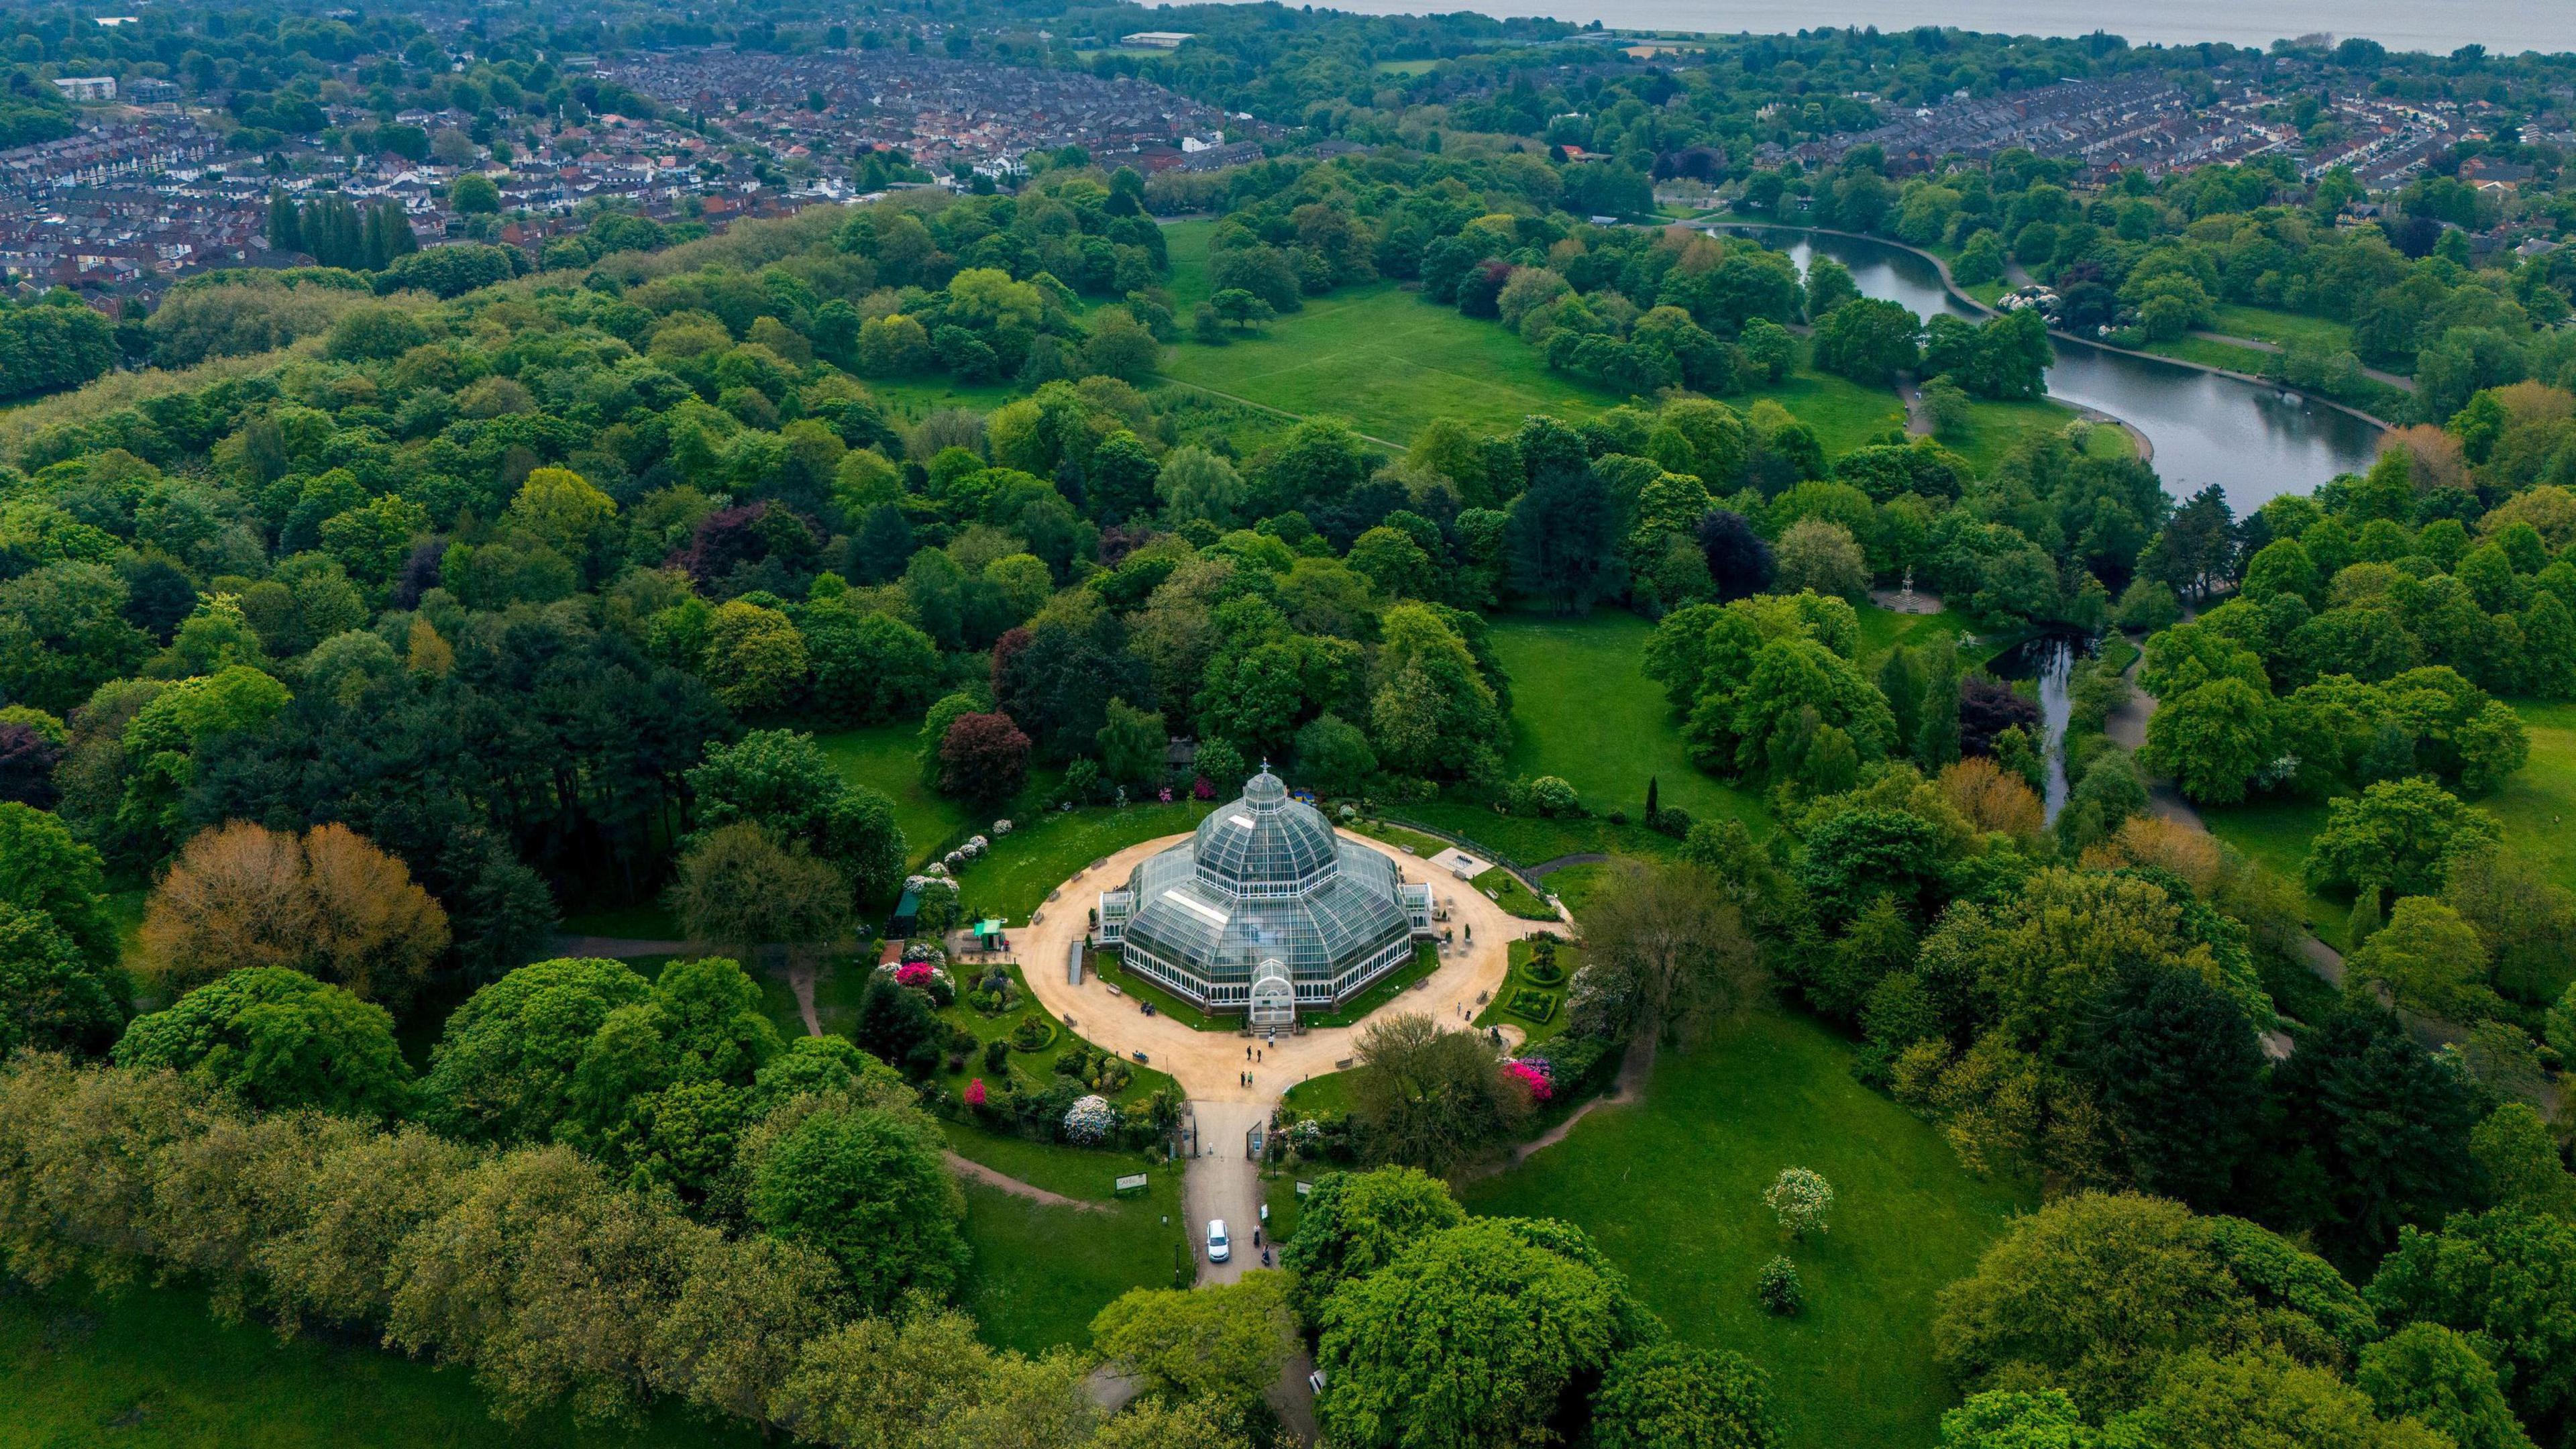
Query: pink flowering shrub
(1532, 1076)
(1203, 789)
(975, 1093)
(1167, 794)
(912, 973)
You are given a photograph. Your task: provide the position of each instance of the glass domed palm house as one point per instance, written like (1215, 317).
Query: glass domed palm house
(1265, 911)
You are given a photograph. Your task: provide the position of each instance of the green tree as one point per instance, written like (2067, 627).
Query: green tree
(869, 1188)
(1563, 539)
(781, 780)
(738, 883)
(2509, 1275)
(1225, 1343)
(1333, 757)
(44, 871)
(872, 668)
(2429, 960)
(755, 659)
(281, 1040)
(2242, 1400)
(1677, 947)
(2516, 1150)
(2437, 1377)
(1819, 555)
(1669, 1396)
(1355, 1223)
(2010, 1419)
(2096, 1294)
(1132, 744)
(1429, 1097)
(1869, 341)
(2211, 739)
(2398, 835)
(53, 998)
(1524, 1312)
(2180, 1075)
(2374, 1134)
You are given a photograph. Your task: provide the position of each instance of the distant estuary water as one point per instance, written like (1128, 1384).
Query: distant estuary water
(2438, 26)
(2255, 442)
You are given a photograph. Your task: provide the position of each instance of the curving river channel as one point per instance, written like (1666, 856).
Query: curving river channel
(2255, 442)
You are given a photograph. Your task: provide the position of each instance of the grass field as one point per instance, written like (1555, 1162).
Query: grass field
(1391, 362)
(2212, 354)
(883, 758)
(1584, 710)
(2265, 324)
(2275, 833)
(1042, 1272)
(1671, 1189)
(154, 1371)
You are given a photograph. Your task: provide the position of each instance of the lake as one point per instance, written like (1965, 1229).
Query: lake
(2439, 26)
(2252, 441)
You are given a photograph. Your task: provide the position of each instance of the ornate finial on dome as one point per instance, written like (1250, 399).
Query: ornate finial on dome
(1264, 790)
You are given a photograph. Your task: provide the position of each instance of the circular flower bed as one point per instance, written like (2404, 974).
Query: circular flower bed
(1032, 1034)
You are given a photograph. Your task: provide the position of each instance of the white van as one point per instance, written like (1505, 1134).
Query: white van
(1219, 1249)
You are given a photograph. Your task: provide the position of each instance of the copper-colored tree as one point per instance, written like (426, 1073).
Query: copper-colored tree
(328, 903)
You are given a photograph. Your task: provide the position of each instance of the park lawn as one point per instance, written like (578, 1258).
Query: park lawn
(2212, 354)
(153, 1370)
(914, 398)
(1423, 846)
(1995, 427)
(1045, 849)
(1670, 1188)
(1390, 362)
(2274, 833)
(1528, 840)
(1881, 630)
(2534, 806)
(1113, 970)
(643, 921)
(1584, 711)
(1406, 67)
(886, 759)
(1041, 1272)
(1505, 889)
(2267, 324)
(1578, 885)
(1185, 246)
(1387, 361)
(1322, 1096)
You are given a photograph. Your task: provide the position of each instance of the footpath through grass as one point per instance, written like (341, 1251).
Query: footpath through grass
(1671, 1189)
(1042, 1272)
(154, 1370)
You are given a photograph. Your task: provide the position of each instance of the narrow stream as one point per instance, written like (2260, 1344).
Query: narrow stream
(2049, 660)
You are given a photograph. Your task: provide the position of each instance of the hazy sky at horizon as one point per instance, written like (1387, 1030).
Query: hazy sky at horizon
(2503, 26)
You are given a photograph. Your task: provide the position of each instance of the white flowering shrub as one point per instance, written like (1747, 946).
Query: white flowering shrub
(1090, 1120)
(1803, 1200)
